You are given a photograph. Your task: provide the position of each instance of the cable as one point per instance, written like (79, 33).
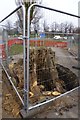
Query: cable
(10, 14)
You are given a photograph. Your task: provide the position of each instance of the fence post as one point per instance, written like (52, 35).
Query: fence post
(24, 57)
(28, 39)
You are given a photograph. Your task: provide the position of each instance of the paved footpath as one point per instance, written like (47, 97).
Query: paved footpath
(65, 107)
(64, 58)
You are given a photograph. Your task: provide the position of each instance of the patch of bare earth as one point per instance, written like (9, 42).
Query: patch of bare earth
(47, 79)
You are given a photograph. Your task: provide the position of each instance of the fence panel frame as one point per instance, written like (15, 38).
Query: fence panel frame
(26, 66)
(24, 51)
(28, 45)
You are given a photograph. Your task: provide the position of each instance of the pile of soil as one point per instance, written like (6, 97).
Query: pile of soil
(46, 77)
(10, 102)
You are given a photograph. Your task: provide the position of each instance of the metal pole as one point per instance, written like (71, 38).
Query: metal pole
(28, 38)
(79, 43)
(27, 67)
(10, 14)
(24, 57)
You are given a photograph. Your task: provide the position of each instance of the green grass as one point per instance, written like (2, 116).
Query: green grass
(16, 49)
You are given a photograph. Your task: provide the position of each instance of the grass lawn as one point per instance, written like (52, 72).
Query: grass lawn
(16, 49)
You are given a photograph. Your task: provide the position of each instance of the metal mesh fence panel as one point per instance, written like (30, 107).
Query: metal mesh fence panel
(12, 52)
(43, 65)
(53, 53)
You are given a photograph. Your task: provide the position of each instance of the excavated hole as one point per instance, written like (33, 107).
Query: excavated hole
(65, 75)
(45, 75)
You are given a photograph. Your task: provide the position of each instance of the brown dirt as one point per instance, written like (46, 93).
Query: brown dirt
(11, 104)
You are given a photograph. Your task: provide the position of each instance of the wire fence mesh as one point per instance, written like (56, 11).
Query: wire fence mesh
(53, 47)
(49, 74)
(12, 49)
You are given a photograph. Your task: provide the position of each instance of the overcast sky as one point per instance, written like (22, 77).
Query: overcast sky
(71, 6)
(65, 5)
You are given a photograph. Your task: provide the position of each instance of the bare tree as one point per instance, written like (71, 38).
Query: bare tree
(35, 12)
(45, 26)
(61, 27)
(54, 27)
(70, 28)
(9, 27)
(77, 30)
(17, 29)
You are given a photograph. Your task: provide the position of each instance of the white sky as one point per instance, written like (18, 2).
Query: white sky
(6, 6)
(71, 6)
